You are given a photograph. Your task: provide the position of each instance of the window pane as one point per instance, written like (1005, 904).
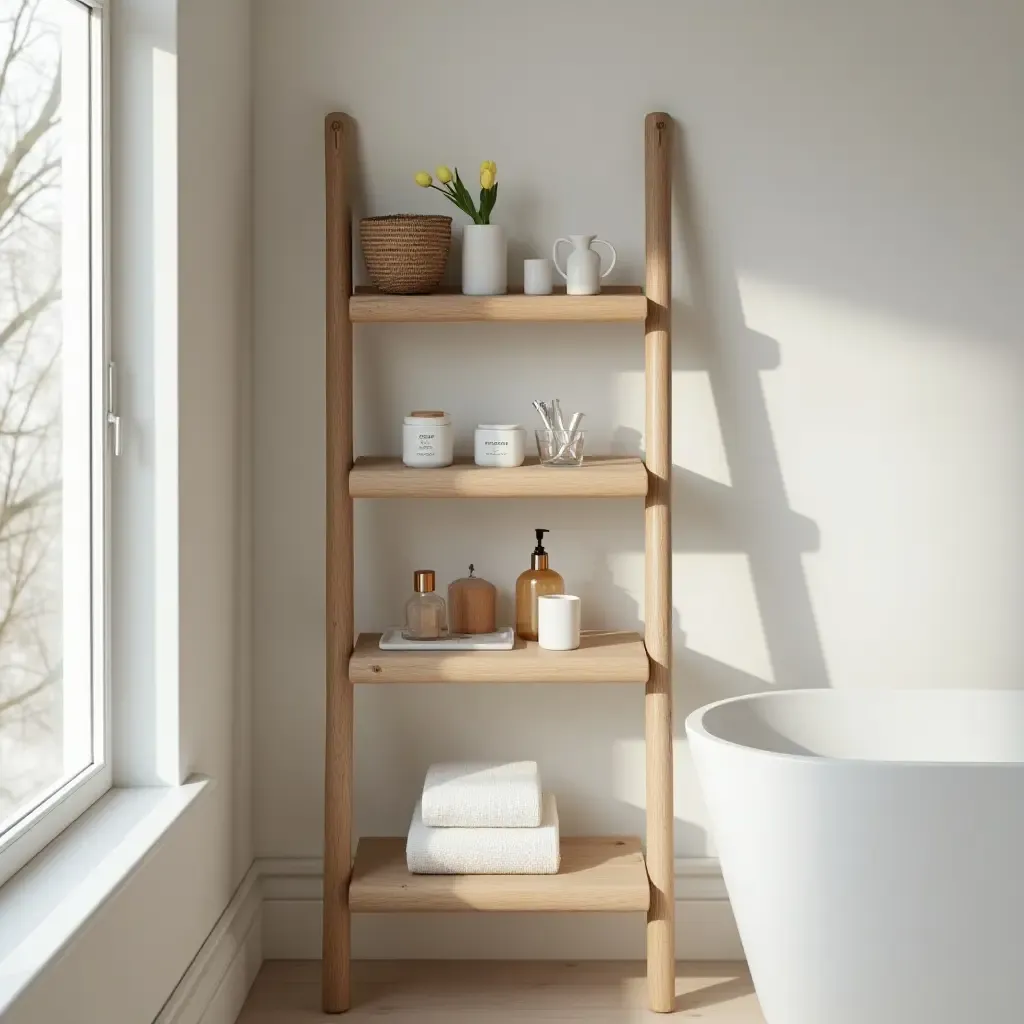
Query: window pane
(46, 726)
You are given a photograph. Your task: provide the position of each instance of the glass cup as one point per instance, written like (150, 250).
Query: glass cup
(560, 447)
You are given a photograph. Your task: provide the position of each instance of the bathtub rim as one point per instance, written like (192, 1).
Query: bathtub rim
(694, 726)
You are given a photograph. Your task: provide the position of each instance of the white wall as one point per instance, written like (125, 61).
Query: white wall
(847, 433)
(215, 402)
(182, 338)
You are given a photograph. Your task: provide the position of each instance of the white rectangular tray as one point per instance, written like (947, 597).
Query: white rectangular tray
(503, 640)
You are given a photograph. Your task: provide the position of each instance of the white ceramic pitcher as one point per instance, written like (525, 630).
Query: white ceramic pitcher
(583, 267)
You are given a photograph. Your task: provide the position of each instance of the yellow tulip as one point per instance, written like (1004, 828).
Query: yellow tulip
(485, 166)
(443, 174)
(486, 178)
(423, 179)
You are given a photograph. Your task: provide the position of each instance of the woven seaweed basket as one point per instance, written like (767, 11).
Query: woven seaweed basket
(405, 253)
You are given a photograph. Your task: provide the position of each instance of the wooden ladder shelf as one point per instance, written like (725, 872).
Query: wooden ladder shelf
(600, 874)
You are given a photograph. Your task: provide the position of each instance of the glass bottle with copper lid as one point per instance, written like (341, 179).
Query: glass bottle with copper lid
(538, 580)
(425, 614)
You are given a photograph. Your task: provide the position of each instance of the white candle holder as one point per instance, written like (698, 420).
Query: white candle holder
(558, 622)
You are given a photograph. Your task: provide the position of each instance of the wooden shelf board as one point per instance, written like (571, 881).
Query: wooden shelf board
(602, 657)
(621, 304)
(600, 476)
(605, 873)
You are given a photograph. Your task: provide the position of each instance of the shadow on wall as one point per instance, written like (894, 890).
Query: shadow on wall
(753, 515)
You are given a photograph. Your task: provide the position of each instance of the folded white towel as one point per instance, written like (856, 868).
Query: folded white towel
(490, 794)
(484, 851)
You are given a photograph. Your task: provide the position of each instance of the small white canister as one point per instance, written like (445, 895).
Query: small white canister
(427, 439)
(558, 622)
(501, 445)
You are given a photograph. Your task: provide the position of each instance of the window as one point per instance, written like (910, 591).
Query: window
(53, 365)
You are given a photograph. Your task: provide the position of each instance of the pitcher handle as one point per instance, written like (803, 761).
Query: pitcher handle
(611, 248)
(554, 255)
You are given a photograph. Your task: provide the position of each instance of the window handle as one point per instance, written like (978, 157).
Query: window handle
(113, 417)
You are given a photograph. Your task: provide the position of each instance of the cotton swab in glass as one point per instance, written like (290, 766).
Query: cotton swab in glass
(542, 411)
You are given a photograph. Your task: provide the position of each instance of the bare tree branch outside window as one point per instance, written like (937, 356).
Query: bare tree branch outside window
(30, 402)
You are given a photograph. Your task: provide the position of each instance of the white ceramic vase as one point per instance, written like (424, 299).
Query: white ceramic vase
(484, 260)
(583, 267)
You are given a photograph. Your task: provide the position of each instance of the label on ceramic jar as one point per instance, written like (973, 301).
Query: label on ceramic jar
(498, 446)
(426, 443)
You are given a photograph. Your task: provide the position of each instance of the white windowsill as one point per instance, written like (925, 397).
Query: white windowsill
(54, 896)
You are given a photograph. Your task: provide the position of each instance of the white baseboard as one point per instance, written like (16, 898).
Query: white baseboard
(293, 908)
(217, 981)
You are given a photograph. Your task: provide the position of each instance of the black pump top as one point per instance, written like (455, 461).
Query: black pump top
(539, 549)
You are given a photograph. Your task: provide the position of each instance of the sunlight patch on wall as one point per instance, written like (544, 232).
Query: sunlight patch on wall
(164, 285)
(696, 436)
(717, 606)
(902, 441)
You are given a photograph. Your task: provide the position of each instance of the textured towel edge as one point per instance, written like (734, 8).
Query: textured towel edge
(422, 863)
(529, 813)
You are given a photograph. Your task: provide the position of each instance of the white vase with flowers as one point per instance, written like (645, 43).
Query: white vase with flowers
(484, 246)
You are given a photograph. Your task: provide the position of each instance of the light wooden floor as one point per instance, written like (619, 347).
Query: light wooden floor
(490, 992)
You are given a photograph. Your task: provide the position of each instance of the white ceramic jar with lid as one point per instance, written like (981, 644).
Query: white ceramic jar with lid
(427, 439)
(502, 445)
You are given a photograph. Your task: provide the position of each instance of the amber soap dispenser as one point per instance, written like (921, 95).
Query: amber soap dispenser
(538, 580)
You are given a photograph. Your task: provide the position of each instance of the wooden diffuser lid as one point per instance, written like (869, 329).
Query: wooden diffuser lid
(472, 605)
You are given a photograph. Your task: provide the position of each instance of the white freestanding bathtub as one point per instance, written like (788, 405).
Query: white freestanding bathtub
(872, 843)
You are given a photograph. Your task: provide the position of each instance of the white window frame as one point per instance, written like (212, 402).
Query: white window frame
(72, 797)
